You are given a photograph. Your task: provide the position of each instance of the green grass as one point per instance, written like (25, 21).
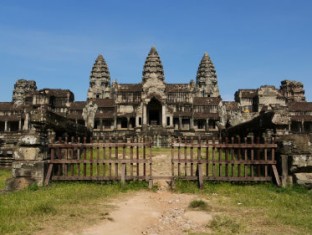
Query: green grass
(289, 208)
(60, 204)
(4, 174)
(198, 204)
(226, 225)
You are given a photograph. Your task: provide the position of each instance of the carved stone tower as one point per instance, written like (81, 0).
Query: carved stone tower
(99, 80)
(293, 91)
(206, 79)
(22, 88)
(153, 65)
(153, 97)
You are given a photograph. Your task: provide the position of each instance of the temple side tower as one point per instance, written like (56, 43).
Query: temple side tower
(292, 91)
(206, 79)
(23, 88)
(99, 80)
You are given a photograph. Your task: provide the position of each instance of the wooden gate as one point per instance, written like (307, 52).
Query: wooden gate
(102, 160)
(214, 160)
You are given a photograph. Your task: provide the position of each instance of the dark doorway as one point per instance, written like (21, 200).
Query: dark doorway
(154, 112)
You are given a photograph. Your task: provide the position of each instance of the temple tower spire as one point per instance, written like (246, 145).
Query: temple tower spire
(153, 65)
(99, 80)
(206, 79)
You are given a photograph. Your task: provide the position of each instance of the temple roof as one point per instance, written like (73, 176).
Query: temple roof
(101, 103)
(130, 87)
(206, 101)
(153, 65)
(78, 105)
(184, 87)
(6, 106)
(300, 106)
(300, 118)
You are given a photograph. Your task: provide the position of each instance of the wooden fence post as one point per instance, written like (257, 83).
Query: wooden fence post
(200, 176)
(123, 173)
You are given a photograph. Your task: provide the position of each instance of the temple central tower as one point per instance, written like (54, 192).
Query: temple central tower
(206, 79)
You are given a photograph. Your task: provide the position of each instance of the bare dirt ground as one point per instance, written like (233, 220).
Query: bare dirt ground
(147, 212)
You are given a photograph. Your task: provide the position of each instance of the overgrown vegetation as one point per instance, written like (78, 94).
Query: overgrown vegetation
(26, 211)
(199, 205)
(258, 208)
(4, 174)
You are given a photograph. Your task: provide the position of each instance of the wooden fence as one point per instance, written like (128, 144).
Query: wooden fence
(103, 160)
(214, 160)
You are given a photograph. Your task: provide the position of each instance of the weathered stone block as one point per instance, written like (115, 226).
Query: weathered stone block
(29, 169)
(304, 179)
(301, 162)
(27, 153)
(29, 140)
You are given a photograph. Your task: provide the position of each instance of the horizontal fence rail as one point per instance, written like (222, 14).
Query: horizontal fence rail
(214, 160)
(99, 161)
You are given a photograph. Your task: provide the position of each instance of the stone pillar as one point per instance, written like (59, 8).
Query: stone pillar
(171, 122)
(115, 122)
(180, 123)
(128, 123)
(207, 124)
(30, 157)
(26, 122)
(137, 121)
(20, 125)
(163, 113)
(6, 126)
(144, 115)
(191, 123)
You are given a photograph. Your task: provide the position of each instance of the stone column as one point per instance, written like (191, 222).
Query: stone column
(180, 123)
(5, 125)
(128, 123)
(191, 123)
(171, 122)
(20, 125)
(115, 122)
(144, 115)
(207, 124)
(26, 122)
(163, 113)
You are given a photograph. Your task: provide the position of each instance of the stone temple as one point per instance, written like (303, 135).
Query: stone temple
(153, 107)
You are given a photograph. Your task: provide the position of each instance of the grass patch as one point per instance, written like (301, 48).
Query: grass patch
(225, 225)
(63, 205)
(263, 206)
(198, 205)
(4, 175)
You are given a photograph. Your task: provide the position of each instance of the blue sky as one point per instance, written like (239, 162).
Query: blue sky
(251, 43)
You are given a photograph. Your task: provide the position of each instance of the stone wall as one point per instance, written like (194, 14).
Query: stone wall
(295, 159)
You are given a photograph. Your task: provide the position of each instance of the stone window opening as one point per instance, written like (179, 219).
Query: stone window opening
(124, 123)
(168, 121)
(2, 126)
(13, 126)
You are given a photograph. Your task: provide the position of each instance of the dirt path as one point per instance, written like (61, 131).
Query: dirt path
(147, 212)
(152, 213)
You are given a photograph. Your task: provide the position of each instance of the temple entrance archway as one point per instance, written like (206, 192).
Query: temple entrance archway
(154, 112)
